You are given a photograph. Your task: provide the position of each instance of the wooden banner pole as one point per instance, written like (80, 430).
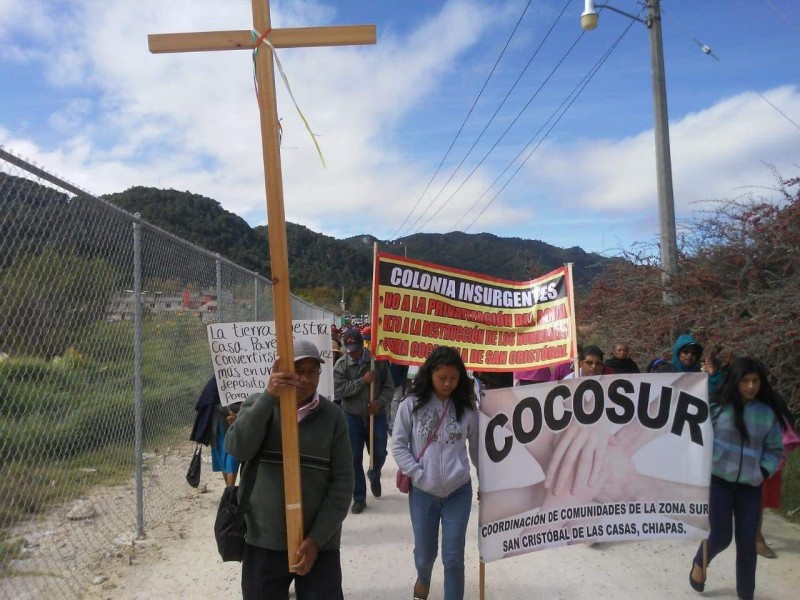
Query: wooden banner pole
(573, 321)
(482, 580)
(374, 329)
(372, 418)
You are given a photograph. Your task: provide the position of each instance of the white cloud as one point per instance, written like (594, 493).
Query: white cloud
(190, 122)
(72, 116)
(715, 152)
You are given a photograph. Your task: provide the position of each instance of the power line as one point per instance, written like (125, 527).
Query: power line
(519, 154)
(575, 93)
(489, 122)
(464, 122)
(524, 108)
(707, 51)
(782, 16)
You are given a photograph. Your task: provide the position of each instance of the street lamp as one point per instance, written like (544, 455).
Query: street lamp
(666, 199)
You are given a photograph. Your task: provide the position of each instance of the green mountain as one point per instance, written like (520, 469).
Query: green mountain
(321, 267)
(321, 261)
(200, 220)
(507, 258)
(314, 259)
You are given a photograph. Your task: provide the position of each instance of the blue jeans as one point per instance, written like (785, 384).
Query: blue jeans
(734, 509)
(453, 512)
(358, 430)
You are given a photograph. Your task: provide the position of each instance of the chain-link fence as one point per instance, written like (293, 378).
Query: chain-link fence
(103, 354)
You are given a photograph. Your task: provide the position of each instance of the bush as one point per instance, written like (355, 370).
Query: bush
(790, 493)
(736, 289)
(48, 298)
(24, 368)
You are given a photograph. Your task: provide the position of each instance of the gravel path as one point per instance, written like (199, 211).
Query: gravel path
(179, 560)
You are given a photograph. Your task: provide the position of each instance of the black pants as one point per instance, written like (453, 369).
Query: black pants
(266, 576)
(733, 512)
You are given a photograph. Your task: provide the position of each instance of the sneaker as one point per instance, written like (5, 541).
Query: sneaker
(375, 487)
(358, 507)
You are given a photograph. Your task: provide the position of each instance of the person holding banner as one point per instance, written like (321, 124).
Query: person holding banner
(353, 376)
(747, 450)
(591, 363)
(436, 419)
(326, 476)
(686, 354)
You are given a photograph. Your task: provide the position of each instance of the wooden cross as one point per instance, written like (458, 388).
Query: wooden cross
(276, 224)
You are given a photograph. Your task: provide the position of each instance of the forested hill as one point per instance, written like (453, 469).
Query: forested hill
(317, 260)
(507, 258)
(314, 259)
(198, 219)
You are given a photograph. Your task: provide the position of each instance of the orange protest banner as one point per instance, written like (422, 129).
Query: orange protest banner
(497, 325)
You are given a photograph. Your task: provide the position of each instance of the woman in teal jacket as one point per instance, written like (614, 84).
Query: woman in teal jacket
(747, 449)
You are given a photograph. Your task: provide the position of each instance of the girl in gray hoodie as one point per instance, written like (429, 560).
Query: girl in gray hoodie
(438, 416)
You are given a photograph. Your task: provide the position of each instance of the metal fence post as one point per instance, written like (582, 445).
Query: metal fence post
(255, 304)
(219, 289)
(137, 371)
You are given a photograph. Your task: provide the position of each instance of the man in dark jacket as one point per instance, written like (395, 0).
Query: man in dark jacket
(686, 354)
(621, 361)
(353, 375)
(326, 475)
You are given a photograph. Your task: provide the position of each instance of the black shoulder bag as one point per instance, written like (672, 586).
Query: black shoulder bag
(193, 473)
(229, 527)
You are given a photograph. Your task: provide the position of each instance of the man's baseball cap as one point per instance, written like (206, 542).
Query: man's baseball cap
(305, 349)
(352, 340)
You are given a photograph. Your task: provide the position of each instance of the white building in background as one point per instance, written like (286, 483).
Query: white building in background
(203, 304)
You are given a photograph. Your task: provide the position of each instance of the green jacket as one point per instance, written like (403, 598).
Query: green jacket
(326, 471)
(353, 391)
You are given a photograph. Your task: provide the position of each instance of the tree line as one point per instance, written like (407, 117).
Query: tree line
(737, 288)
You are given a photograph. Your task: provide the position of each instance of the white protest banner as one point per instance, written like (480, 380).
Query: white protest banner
(610, 458)
(243, 355)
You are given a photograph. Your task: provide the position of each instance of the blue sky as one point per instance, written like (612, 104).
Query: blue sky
(82, 97)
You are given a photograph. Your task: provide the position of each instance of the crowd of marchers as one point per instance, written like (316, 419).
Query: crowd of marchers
(433, 424)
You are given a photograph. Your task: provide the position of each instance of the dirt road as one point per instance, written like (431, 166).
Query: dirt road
(179, 560)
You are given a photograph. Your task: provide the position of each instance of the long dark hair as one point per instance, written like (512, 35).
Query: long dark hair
(463, 395)
(728, 391)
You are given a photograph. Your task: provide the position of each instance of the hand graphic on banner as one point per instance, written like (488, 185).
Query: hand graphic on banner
(584, 465)
(578, 458)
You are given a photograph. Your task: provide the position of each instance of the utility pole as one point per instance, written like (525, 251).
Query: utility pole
(666, 198)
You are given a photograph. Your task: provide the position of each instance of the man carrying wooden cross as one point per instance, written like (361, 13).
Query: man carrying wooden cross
(327, 481)
(262, 39)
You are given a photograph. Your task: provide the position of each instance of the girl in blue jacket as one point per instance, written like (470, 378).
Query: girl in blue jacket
(747, 449)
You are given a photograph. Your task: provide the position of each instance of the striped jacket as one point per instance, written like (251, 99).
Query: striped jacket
(746, 462)
(326, 467)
